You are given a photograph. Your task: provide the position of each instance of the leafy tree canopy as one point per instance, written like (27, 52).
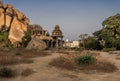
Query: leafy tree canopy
(110, 32)
(112, 24)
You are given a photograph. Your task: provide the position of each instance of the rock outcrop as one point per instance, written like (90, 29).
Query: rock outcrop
(36, 43)
(15, 22)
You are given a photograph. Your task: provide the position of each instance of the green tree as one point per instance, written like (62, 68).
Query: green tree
(83, 36)
(92, 43)
(110, 32)
(112, 26)
(25, 40)
(4, 38)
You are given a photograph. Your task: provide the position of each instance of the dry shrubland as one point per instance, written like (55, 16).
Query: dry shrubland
(69, 62)
(17, 56)
(7, 59)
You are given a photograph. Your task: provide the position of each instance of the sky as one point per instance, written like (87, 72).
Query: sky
(74, 17)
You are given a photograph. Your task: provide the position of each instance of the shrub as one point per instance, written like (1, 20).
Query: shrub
(6, 72)
(79, 49)
(104, 66)
(11, 46)
(65, 62)
(26, 39)
(85, 59)
(84, 63)
(108, 49)
(92, 43)
(17, 53)
(27, 72)
(4, 38)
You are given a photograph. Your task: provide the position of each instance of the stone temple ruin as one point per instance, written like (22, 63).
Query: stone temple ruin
(57, 37)
(17, 25)
(41, 38)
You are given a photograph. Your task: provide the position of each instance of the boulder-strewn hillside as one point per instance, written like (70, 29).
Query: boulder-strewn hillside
(13, 21)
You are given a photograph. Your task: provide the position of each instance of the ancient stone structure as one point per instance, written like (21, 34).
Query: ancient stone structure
(17, 24)
(55, 40)
(57, 37)
(13, 21)
(37, 32)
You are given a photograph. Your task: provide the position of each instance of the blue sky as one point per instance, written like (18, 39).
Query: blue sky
(75, 17)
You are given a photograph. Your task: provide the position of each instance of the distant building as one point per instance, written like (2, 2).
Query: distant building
(71, 44)
(67, 43)
(76, 44)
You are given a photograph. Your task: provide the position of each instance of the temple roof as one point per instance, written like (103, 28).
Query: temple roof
(57, 32)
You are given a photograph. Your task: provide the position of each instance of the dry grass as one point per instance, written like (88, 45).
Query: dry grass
(16, 56)
(63, 62)
(98, 66)
(27, 72)
(33, 53)
(7, 59)
(118, 57)
(68, 52)
(10, 60)
(68, 62)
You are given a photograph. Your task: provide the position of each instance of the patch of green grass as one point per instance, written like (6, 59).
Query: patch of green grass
(85, 59)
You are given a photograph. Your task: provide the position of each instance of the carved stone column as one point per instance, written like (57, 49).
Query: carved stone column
(57, 42)
(51, 43)
(61, 42)
(47, 43)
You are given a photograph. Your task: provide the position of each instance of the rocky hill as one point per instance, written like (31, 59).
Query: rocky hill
(13, 21)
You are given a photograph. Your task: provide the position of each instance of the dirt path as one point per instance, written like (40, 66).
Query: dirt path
(43, 72)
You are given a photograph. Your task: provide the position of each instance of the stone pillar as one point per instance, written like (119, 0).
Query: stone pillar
(47, 43)
(51, 43)
(42, 33)
(57, 42)
(61, 42)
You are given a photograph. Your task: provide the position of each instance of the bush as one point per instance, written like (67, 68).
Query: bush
(85, 59)
(87, 64)
(92, 43)
(65, 62)
(108, 49)
(11, 46)
(79, 49)
(27, 72)
(18, 54)
(6, 72)
(4, 38)
(26, 39)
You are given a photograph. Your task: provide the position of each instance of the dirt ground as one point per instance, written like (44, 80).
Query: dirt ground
(44, 72)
